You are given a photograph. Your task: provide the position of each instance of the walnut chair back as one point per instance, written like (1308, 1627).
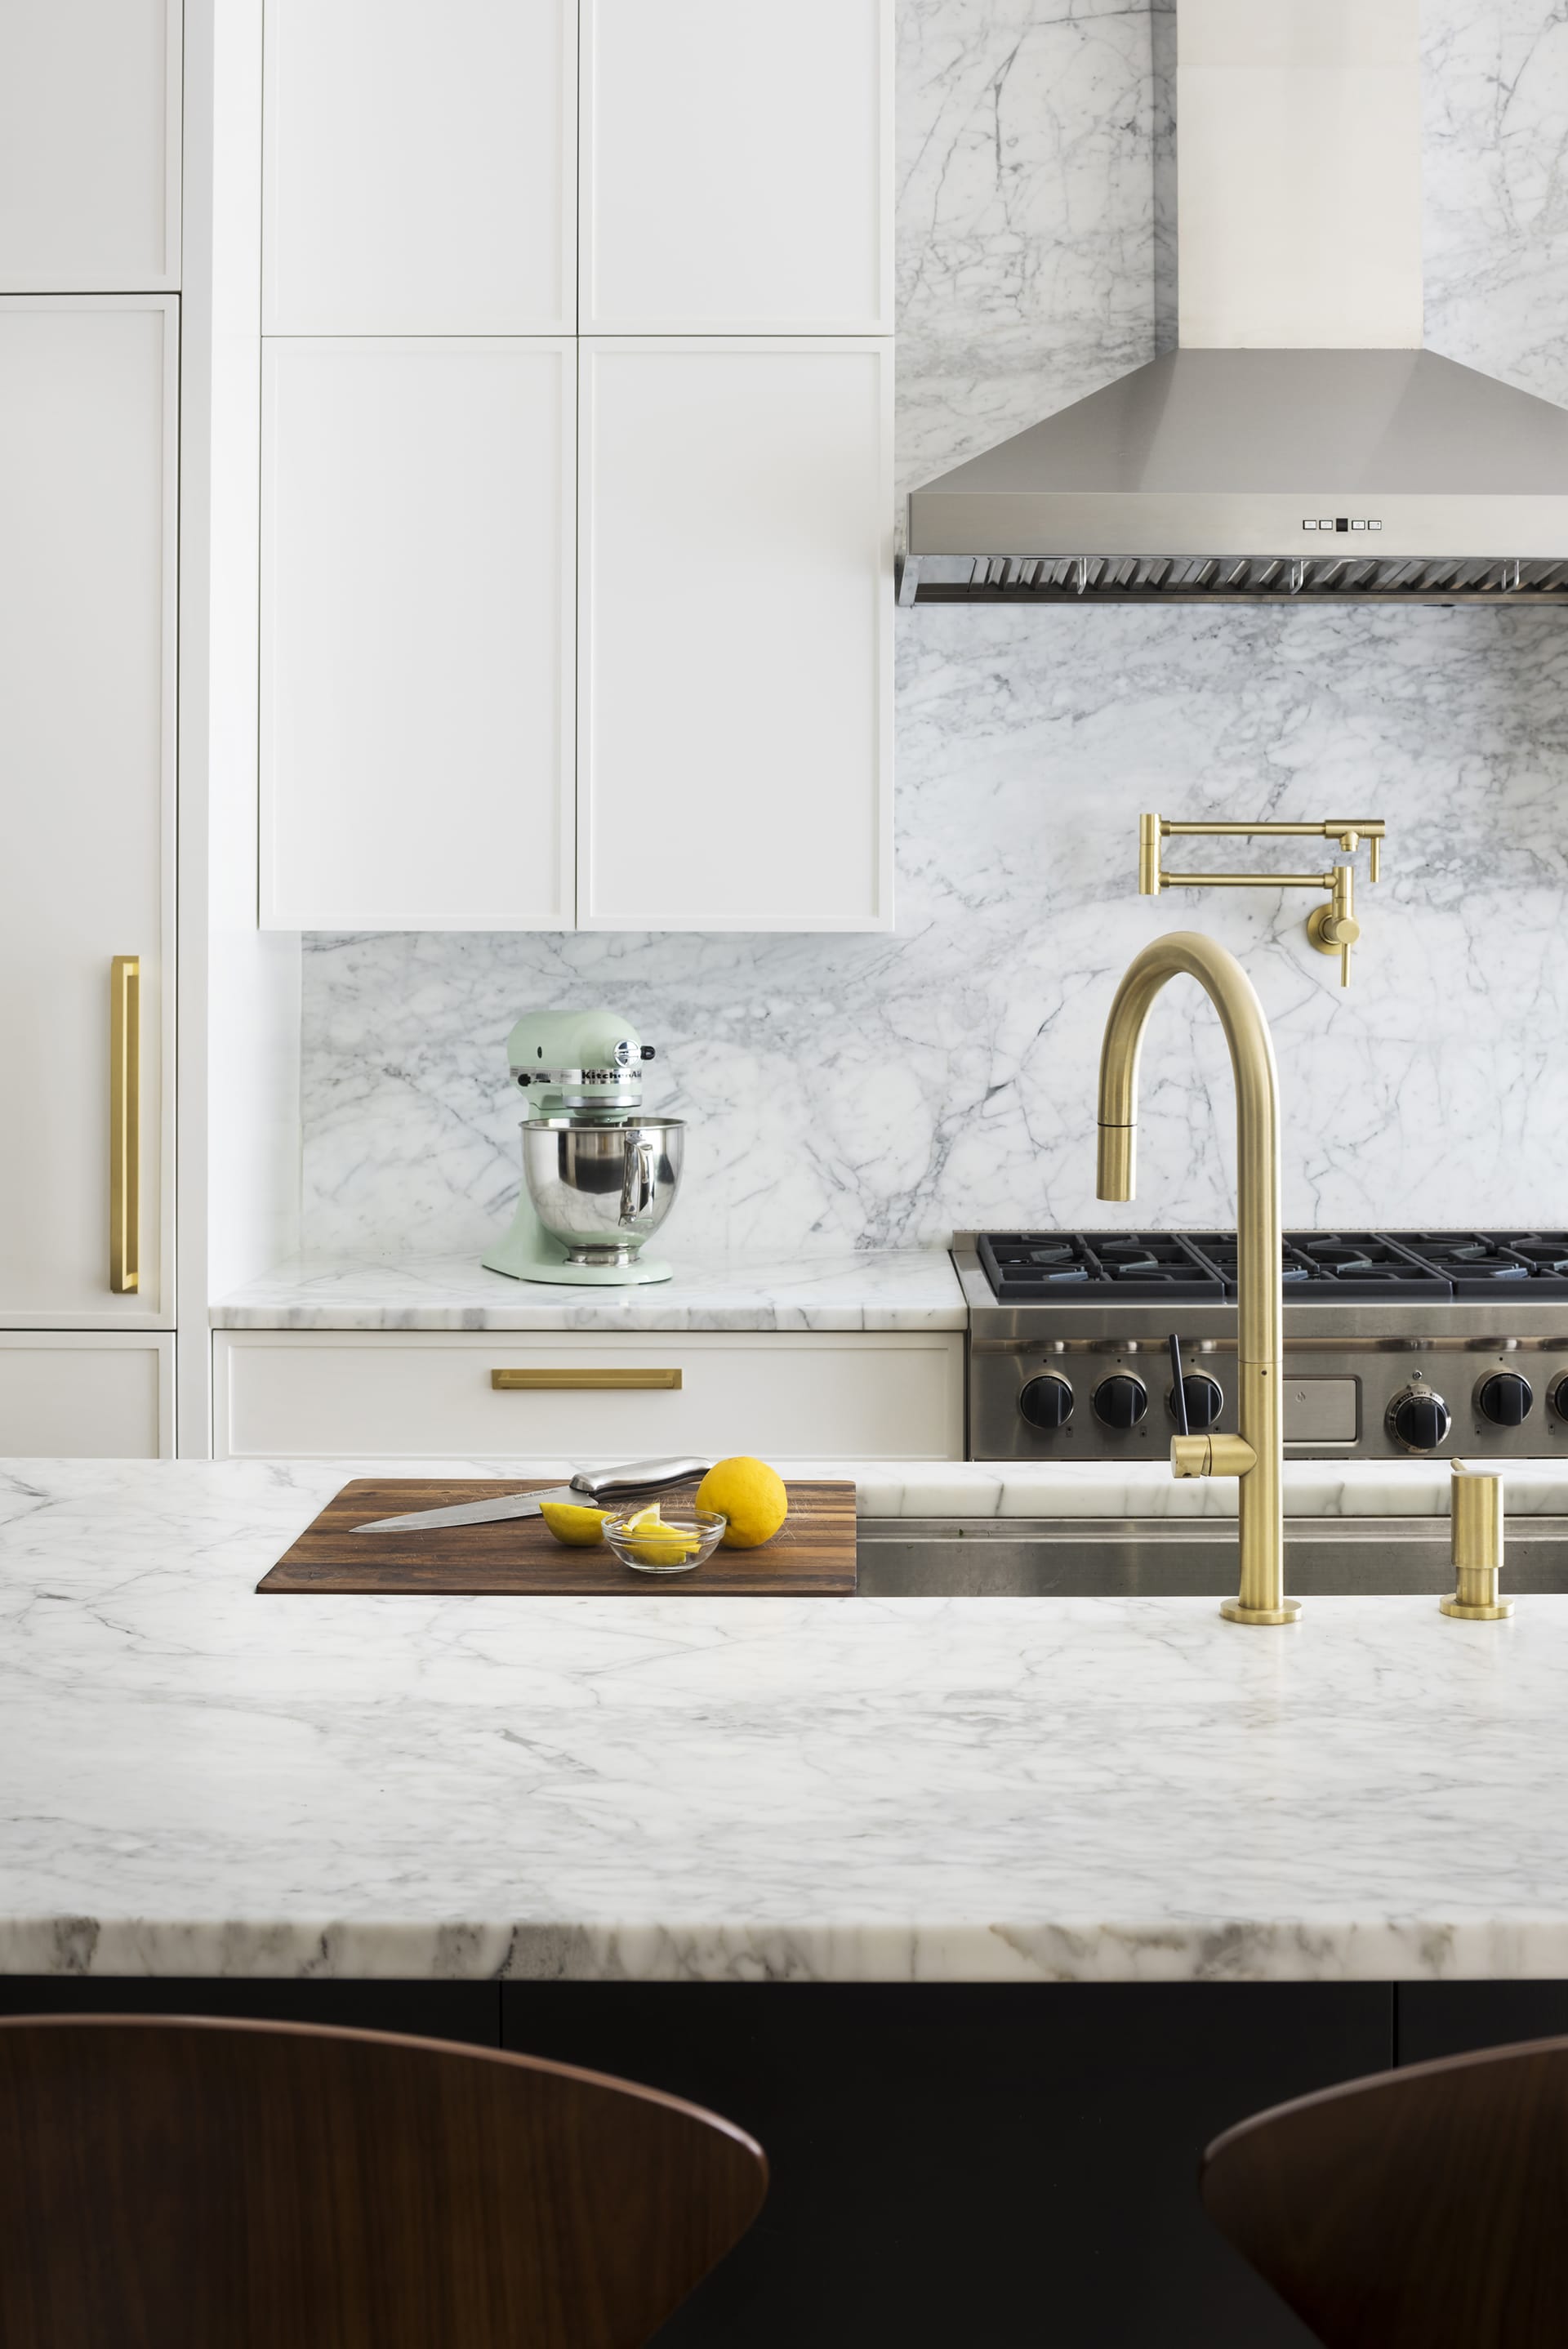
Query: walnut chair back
(186, 2183)
(1422, 2208)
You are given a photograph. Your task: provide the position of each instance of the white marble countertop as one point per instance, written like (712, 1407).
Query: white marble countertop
(1146, 1488)
(873, 1289)
(200, 1781)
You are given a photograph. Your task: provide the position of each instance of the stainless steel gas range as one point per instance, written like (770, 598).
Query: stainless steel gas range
(1396, 1344)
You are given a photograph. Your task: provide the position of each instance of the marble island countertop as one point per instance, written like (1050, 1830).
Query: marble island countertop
(200, 1781)
(871, 1289)
(1146, 1488)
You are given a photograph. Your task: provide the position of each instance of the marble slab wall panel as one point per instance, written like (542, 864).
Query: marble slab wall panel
(1495, 232)
(884, 1090)
(1026, 241)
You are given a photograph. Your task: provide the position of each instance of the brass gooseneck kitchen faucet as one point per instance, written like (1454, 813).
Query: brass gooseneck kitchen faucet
(1255, 1456)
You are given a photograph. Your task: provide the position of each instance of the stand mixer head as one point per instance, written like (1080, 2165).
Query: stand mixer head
(598, 1177)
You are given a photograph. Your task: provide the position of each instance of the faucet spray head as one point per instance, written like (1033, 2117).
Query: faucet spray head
(1116, 1161)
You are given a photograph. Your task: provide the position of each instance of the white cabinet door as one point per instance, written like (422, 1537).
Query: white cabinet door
(86, 1398)
(420, 167)
(416, 701)
(737, 167)
(87, 485)
(89, 145)
(734, 635)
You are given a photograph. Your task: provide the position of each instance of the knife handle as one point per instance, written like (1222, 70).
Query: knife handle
(636, 1476)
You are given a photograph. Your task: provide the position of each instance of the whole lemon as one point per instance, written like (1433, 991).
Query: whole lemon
(750, 1494)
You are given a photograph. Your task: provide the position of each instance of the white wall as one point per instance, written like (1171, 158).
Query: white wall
(886, 1089)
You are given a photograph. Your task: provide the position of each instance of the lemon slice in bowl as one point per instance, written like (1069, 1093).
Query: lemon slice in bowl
(578, 1528)
(657, 1543)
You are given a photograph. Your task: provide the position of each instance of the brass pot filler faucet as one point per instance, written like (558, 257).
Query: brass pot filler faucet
(1333, 928)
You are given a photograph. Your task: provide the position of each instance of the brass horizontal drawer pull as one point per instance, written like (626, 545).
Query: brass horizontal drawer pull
(585, 1382)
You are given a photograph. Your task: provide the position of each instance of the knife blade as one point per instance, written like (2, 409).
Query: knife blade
(588, 1486)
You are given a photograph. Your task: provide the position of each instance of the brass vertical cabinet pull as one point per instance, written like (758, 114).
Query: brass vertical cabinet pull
(125, 1126)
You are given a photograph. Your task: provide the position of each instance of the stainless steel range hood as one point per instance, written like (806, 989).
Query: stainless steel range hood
(1225, 469)
(1387, 474)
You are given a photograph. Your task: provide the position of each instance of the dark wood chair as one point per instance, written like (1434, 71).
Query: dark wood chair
(1423, 2209)
(205, 2185)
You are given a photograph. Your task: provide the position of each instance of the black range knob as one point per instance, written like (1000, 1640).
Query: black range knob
(1120, 1402)
(1558, 1397)
(1505, 1399)
(1205, 1399)
(1419, 1419)
(1046, 1401)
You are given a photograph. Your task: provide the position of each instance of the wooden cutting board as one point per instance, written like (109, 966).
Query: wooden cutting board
(813, 1558)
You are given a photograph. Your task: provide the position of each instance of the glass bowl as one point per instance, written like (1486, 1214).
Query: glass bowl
(687, 1536)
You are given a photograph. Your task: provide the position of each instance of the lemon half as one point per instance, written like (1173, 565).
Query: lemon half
(750, 1494)
(578, 1528)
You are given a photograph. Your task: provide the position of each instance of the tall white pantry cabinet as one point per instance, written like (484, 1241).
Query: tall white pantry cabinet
(90, 378)
(577, 477)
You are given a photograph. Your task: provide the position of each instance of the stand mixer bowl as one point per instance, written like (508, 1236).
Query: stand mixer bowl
(601, 1186)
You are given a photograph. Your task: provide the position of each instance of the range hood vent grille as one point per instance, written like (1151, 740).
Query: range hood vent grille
(1219, 578)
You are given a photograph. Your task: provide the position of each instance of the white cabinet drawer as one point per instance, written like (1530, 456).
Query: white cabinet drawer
(395, 1394)
(70, 1395)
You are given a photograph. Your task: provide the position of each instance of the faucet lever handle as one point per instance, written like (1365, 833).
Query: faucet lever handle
(1334, 928)
(1178, 1387)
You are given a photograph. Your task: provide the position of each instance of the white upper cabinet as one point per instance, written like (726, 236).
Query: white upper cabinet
(87, 481)
(736, 167)
(502, 689)
(420, 167)
(89, 146)
(416, 593)
(734, 635)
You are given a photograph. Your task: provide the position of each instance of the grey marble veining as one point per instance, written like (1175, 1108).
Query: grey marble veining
(903, 1289)
(881, 1091)
(662, 1788)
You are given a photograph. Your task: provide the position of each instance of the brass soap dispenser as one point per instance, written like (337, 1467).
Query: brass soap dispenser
(1476, 1522)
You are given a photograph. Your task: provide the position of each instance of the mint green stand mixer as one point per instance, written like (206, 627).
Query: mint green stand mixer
(598, 1177)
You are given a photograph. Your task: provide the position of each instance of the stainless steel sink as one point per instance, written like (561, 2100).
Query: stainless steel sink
(1133, 1557)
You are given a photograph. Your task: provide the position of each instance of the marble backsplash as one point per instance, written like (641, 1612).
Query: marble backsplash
(887, 1090)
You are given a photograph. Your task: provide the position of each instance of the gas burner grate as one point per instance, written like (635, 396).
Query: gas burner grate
(1319, 1267)
(1032, 1267)
(1355, 1267)
(1480, 1264)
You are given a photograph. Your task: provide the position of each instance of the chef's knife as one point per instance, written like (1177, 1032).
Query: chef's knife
(588, 1487)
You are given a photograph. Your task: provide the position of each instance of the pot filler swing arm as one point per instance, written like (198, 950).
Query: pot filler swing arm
(1333, 928)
